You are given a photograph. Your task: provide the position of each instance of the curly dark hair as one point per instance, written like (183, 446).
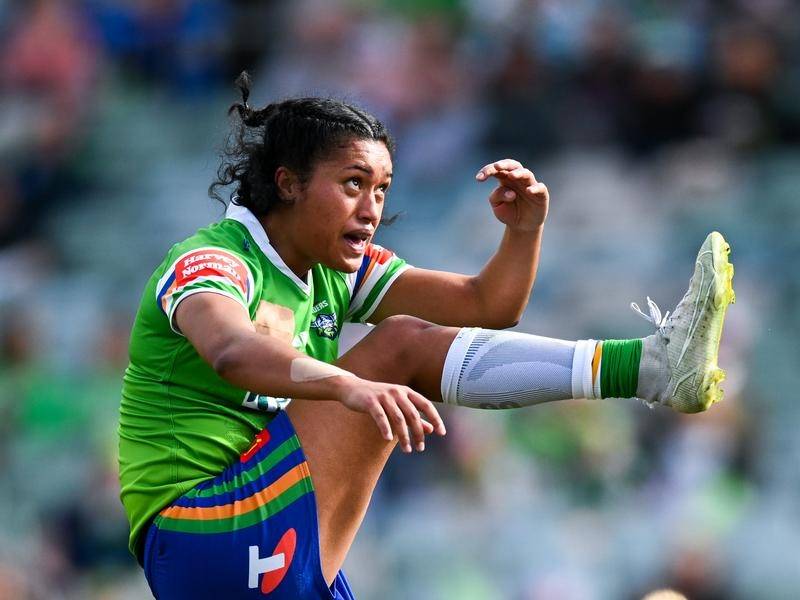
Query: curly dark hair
(295, 133)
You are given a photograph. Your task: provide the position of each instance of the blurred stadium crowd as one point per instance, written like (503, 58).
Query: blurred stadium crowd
(651, 121)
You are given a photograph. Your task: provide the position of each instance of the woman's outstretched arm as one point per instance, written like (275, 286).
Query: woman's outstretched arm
(497, 296)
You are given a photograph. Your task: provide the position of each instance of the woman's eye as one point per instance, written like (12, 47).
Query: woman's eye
(384, 187)
(355, 182)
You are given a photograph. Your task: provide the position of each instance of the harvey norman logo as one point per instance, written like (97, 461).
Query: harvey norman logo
(210, 263)
(211, 260)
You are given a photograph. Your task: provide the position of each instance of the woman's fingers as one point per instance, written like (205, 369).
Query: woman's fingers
(400, 412)
(536, 189)
(428, 410)
(379, 416)
(520, 174)
(507, 164)
(518, 179)
(502, 194)
(524, 183)
(514, 180)
(414, 423)
(398, 420)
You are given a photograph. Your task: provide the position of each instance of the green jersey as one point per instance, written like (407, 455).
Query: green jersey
(180, 422)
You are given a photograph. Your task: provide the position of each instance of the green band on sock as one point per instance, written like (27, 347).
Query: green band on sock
(619, 368)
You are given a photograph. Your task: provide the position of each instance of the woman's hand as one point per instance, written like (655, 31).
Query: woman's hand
(394, 408)
(519, 200)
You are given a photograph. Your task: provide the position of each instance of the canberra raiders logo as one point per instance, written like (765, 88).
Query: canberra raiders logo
(325, 326)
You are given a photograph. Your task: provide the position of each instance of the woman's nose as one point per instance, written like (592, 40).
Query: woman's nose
(370, 208)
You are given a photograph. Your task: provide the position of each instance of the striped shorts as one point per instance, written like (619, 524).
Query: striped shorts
(250, 533)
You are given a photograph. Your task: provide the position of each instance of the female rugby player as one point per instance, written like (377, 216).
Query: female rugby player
(231, 491)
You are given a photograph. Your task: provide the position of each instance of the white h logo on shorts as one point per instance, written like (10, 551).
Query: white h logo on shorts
(263, 565)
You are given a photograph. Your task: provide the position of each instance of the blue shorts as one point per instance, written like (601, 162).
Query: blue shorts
(250, 533)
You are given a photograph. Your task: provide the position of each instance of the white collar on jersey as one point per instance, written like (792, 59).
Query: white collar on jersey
(249, 220)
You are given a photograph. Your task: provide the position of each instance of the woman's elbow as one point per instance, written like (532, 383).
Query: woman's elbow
(226, 360)
(498, 311)
(498, 318)
(500, 322)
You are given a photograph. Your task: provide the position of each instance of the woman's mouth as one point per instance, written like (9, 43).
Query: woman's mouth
(357, 241)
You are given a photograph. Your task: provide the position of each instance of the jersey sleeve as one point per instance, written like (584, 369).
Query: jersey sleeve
(379, 270)
(208, 269)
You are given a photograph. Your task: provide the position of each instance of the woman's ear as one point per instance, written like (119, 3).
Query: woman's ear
(287, 183)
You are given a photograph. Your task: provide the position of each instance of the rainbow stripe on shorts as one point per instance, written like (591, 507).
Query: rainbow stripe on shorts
(270, 476)
(250, 533)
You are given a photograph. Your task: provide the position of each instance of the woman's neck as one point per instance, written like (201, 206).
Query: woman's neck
(281, 238)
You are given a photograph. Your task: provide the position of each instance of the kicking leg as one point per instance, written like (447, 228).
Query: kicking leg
(471, 367)
(676, 366)
(479, 368)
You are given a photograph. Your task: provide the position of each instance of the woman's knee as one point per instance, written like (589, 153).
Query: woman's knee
(401, 335)
(405, 350)
(392, 344)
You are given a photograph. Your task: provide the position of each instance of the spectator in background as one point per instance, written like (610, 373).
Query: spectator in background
(521, 85)
(753, 101)
(177, 43)
(594, 109)
(48, 69)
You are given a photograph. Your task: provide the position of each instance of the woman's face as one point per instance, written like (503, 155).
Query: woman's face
(340, 206)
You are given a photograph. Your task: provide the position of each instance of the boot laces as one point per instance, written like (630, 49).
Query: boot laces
(655, 316)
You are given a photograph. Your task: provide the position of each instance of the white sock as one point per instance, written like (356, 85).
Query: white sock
(503, 369)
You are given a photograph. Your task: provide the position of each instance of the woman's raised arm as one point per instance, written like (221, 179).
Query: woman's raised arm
(497, 296)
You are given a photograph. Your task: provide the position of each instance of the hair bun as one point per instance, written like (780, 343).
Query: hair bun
(243, 82)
